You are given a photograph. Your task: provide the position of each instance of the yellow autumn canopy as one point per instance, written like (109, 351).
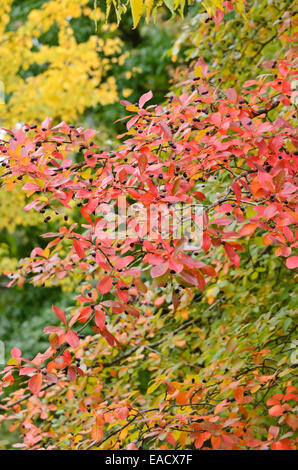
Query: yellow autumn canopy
(70, 76)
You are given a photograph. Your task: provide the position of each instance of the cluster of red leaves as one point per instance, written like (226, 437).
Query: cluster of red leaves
(168, 156)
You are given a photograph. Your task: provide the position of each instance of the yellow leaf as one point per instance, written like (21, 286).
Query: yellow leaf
(198, 71)
(12, 362)
(149, 5)
(182, 438)
(153, 387)
(132, 108)
(137, 10)
(123, 433)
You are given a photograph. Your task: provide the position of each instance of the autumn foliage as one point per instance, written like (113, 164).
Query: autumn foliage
(137, 294)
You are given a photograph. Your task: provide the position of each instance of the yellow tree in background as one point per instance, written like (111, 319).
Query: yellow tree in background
(71, 75)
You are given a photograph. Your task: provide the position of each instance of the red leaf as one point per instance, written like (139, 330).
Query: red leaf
(89, 133)
(159, 270)
(142, 163)
(275, 399)
(132, 121)
(60, 314)
(175, 265)
(206, 241)
(89, 220)
(131, 446)
(248, 229)
(105, 284)
(166, 129)
(276, 410)
(282, 445)
(100, 319)
(53, 329)
(31, 187)
(170, 439)
(35, 383)
(85, 314)
(123, 412)
(27, 370)
(132, 311)
(201, 281)
(71, 374)
(144, 98)
(78, 248)
(72, 339)
(231, 94)
(234, 257)
(273, 432)
(292, 262)
(202, 437)
(121, 262)
(237, 191)
(16, 353)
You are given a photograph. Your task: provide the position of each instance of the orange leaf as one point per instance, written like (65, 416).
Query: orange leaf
(35, 384)
(276, 410)
(96, 432)
(248, 229)
(275, 399)
(182, 398)
(284, 444)
(105, 285)
(292, 421)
